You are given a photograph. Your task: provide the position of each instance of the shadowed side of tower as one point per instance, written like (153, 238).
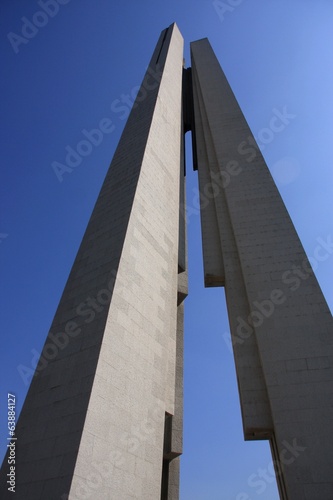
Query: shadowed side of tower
(281, 328)
(103, 415)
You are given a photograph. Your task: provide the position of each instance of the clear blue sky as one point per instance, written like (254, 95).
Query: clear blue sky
(64, 79)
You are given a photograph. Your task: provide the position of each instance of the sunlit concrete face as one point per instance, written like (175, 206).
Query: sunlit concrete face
(281, 327)
(135, 378)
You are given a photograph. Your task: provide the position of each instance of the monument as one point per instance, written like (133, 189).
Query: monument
(103, 415)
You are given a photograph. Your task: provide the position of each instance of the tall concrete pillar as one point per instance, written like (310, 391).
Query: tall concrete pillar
(103, 416)
(281, 327)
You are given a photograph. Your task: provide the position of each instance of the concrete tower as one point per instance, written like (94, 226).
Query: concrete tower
(281, 326)
(103, 415)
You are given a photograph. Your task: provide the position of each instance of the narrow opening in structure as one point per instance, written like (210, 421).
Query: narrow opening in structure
(166, 456)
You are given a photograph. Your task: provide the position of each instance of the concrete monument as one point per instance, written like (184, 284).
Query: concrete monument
(103, 415)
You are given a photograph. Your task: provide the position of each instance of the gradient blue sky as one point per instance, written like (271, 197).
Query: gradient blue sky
(65, 79)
